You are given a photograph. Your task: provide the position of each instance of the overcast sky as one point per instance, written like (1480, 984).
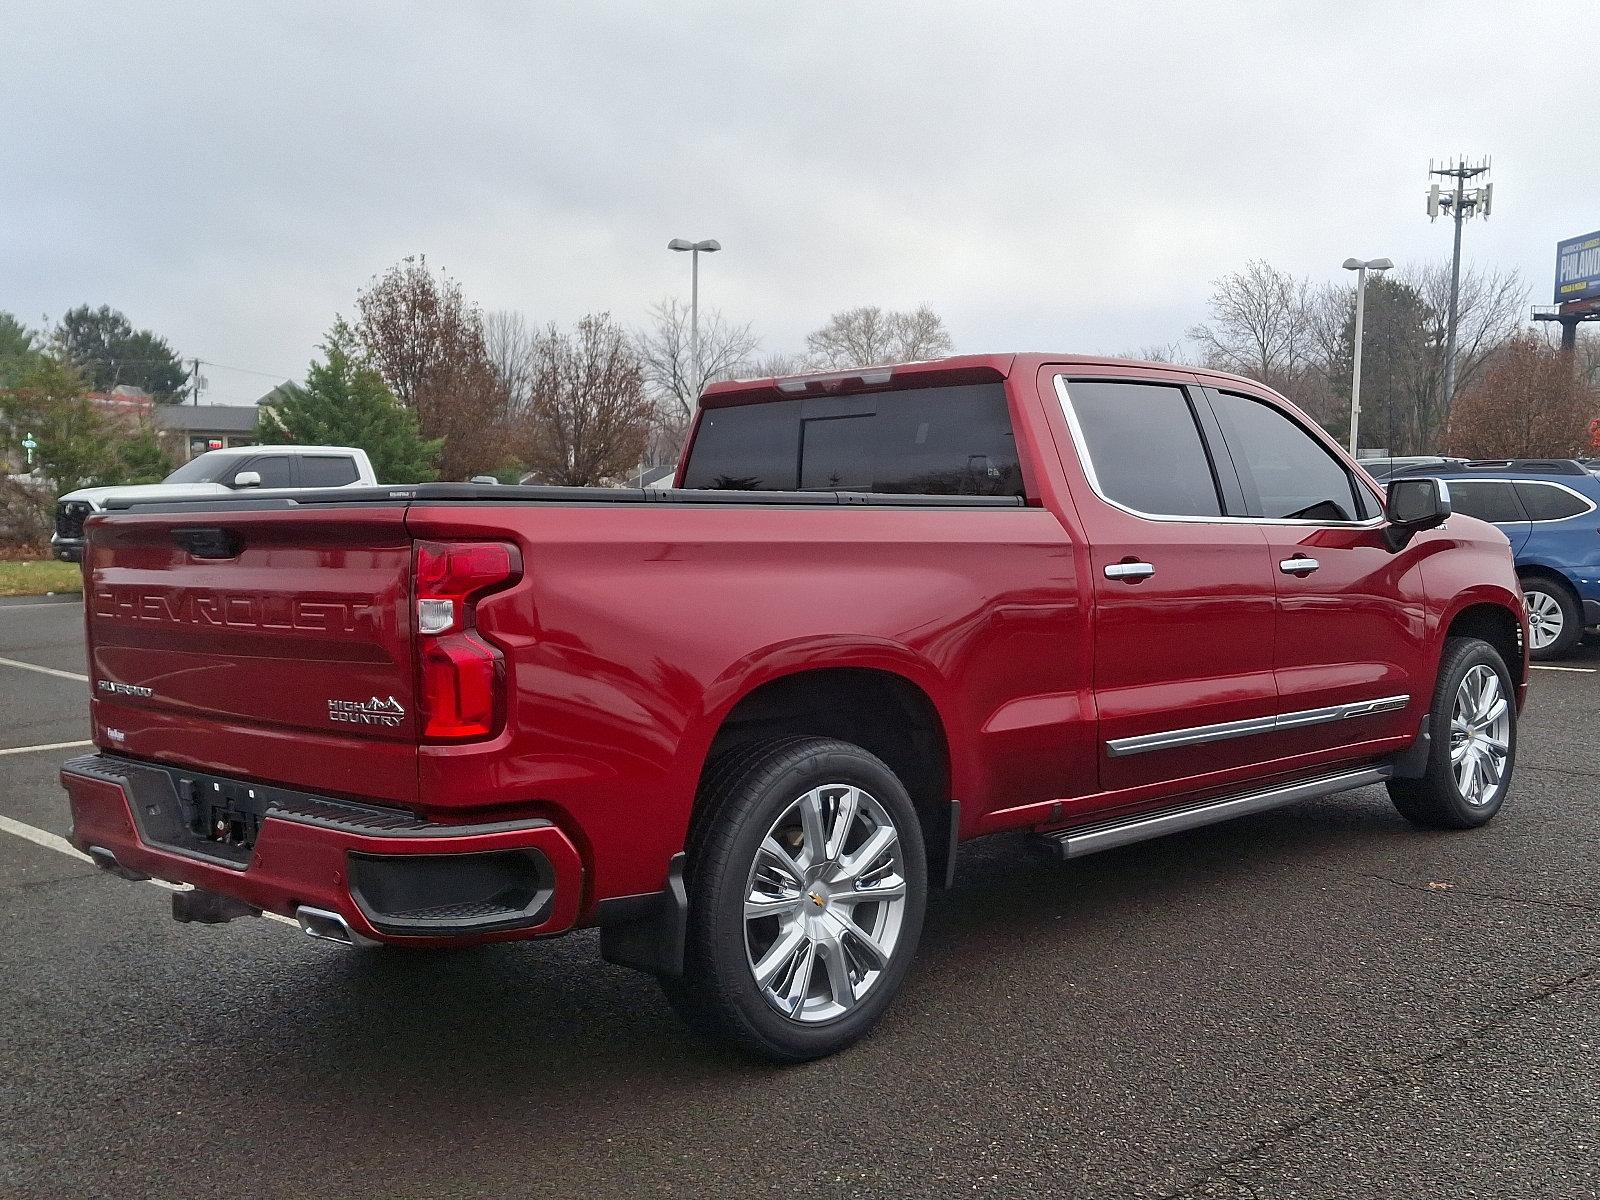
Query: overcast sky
(1046, 176)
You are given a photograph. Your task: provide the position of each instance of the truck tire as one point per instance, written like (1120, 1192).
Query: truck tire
(1555, 622)
(1473, 733)
(807, 882)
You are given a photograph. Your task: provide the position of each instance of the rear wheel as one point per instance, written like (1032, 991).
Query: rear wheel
(807, 884)
(1473, 733)
(1554, 622)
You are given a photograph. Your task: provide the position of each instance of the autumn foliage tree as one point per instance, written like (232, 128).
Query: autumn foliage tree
(1530, 403)
(427, 342)
(589, 416)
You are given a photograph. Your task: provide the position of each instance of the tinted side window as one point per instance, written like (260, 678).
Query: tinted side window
(1294, 475)
(933, 441)
(1485, 499)
(1144, 448)
(273, 468)
(328, 470)
(1546, 502)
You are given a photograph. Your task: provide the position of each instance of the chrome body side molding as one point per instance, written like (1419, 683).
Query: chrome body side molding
(1196, 735)
(1075, 843)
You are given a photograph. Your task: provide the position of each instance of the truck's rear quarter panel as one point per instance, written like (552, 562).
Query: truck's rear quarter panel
(636, 628)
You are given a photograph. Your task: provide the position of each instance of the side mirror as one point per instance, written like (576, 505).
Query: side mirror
(1414, 505)
(247, 479)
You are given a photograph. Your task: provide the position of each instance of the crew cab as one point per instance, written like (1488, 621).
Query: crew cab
(215, 473)
(743, 725)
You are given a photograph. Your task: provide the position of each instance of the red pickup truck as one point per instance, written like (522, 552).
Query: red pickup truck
(743, 725)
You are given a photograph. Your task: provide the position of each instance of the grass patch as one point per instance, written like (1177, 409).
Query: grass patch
(38, 577)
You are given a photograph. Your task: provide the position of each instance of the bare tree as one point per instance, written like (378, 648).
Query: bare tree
(589, 417)
(868, 336)
(1528, 404)
(427, 342)
(1260, 325)
(1159, 352)
(1493, 309)
(509, 341)
(667, 360)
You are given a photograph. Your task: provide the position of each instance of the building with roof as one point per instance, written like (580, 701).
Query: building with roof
(187, 430)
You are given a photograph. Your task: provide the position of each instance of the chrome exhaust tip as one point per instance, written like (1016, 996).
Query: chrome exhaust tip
(329, 926)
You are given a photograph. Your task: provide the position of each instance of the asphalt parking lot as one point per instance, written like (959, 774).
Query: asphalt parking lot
(1317, 1002)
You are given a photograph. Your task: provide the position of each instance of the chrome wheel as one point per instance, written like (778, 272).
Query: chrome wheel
(1546, 621)
(824, 903)
(1480, 735)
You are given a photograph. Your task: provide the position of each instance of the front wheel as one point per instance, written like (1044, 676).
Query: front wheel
(1473, 733)
(807, 885)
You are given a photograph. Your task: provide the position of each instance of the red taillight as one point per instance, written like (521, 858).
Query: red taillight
(462, 675)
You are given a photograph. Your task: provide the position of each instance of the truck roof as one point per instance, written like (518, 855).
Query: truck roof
(937, 372)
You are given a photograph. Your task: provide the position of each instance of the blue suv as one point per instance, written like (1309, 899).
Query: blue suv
(1546, 508)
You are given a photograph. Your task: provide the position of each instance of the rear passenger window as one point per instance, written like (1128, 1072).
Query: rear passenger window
(1547, 502)
(1144, 449)
(1295, 477)
(328, 470)
(948, 441)
(1485, 499)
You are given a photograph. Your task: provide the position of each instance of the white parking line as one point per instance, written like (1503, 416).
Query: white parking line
(45, 746)
(1574, 670)
(28, 666)
(60, 845)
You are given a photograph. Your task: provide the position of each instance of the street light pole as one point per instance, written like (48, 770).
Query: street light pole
(1361, 267)
(708, 246)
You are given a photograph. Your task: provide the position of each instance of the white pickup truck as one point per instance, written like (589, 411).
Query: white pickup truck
(216, 472)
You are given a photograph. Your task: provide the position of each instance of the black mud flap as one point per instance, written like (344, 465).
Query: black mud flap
(646, 932)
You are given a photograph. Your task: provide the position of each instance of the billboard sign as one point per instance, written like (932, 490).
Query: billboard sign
(1578, 268)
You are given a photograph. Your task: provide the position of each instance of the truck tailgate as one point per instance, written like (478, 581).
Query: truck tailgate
(271, 644)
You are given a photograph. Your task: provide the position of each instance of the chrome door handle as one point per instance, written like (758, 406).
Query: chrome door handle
(1130, 570)
(1299, 565)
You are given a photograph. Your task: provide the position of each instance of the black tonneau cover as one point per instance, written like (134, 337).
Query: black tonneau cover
(482, 493)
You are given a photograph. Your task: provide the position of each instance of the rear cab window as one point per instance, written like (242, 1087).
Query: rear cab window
(938, 441)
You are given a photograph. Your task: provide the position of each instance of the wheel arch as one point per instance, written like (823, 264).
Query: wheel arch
(1494, 621)
(881, 699)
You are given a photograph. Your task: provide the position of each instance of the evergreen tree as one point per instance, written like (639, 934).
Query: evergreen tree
(19, 349)
(107, 351)
(345, 402)
(74, 445)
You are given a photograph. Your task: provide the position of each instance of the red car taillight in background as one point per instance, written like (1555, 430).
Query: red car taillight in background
(462, 675)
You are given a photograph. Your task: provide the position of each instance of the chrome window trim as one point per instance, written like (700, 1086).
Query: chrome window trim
(1560, 487)
(1081, 444)
(1196, 735)
(1510, 483)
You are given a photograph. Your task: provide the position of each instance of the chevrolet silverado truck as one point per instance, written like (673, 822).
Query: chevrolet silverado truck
(744, 725)
(216, 473)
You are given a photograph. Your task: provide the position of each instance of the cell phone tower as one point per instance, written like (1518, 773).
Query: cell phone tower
(1460, 203)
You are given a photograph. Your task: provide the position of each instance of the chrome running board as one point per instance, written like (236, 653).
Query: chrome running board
(1075, 843)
